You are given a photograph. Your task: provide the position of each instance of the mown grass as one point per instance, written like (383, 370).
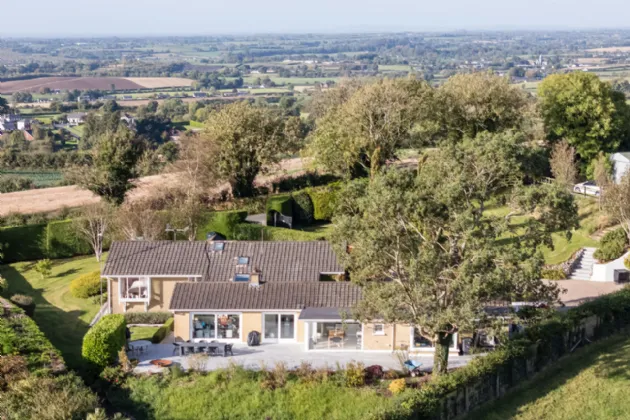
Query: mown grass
(592, 384)
(63, 318)
(238, 394)
(142, 333)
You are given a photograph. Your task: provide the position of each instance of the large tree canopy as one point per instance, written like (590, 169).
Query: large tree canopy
(468, 104)
(424, 249)
(246, 140)
(364, 131)
(585, 111)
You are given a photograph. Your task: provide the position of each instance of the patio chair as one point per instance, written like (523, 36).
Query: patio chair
(211, 351)
(175, 349)
(228, 349)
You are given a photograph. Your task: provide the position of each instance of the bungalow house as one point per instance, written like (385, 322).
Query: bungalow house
(290, 292)
(76, 118)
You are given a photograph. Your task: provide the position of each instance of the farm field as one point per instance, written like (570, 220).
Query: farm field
(85, 83)
(63, 318)
(591, 384)
(41, 179)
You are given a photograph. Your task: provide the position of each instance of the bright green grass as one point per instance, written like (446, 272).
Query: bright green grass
(592, 384)
(240, 396)
(142, 333)
(63, 318)
(563, 247)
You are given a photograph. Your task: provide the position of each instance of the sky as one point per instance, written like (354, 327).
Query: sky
(207, 17)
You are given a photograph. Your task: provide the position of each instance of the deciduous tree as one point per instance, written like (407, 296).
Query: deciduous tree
(426, 253)
(93, 225)
(563, 165)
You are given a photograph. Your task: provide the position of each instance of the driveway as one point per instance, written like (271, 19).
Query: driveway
(291, 354)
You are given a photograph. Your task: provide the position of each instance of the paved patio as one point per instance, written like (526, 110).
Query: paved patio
(291, 354)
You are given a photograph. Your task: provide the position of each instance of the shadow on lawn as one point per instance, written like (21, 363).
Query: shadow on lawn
(614, 363)
(64, 329)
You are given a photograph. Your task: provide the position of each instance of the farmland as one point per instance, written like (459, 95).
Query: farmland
(86, 83)
(41, 179)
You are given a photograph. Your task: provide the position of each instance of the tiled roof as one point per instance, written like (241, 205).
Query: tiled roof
(280, 296)
(278, 261)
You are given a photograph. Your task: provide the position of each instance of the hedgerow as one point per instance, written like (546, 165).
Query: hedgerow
(103, 341)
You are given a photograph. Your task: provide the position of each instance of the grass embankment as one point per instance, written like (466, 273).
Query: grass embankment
(590, 220)
(592, 384)
(142, 333)
(63, 318)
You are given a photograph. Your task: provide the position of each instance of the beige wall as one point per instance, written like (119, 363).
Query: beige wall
(403, 336)
(182, 326)
(378, 342)
(161, 293)
(250, 321)
(300, 329)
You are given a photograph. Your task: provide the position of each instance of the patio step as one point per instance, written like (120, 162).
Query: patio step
(584, 266)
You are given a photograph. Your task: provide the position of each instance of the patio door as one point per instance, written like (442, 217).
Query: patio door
(278, 327)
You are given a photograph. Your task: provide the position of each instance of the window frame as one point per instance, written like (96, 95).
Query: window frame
(126, 279)
(378, 333)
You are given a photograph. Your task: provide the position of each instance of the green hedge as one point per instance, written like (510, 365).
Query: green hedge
(541, 343)
(62, 241)
(147, 317)
(23, 243)
(282, 203)
(87, 285)
(324, 200)
(163, 331)
(303, 210)
(104, 340)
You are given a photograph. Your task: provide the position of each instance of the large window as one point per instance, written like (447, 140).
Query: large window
(135, 289)
(217, 326)
(419, 341)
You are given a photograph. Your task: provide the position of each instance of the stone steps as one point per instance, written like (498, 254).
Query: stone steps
(584, 267)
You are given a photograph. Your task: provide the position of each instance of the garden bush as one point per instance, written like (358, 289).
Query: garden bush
(62, 241)
(303, 211)
(25, 303)
(282, 204)
(324, 200)
(610, 251)
(617, 235)
(553, 274)
(103, 341)
(163, 331)
(154, 318)
(87, 285)
(354, 375)
(374, 372)
(397, 386)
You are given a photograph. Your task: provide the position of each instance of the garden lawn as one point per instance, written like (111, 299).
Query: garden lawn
(592, 384)
(142, 333)
(236, 393)
(63, 318)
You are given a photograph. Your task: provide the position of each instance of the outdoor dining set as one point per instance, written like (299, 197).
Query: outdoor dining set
(212, 348)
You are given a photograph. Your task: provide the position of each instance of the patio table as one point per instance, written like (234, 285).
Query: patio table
(139, 345)
(193, 346)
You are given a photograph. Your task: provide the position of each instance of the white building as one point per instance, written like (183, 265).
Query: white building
(621, 165)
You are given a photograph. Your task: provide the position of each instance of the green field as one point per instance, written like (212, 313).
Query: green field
(591, 384)
(63, 318)
(142, 333)
(41, 179)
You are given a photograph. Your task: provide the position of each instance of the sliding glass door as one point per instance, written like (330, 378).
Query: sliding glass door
(279, 327)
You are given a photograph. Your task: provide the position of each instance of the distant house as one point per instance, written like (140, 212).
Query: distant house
(109, 97)
(12, 122)
(129, 120)
(84, 98)
(24, 125)
(200, 95)
(127, 98)
(621, 165)
(77, 118)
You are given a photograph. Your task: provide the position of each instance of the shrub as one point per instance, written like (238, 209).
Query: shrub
(610, 251)
(354, 374)
(12, 368)
(87, 285)
(163, 331)
(553, 274)
(397, 386)
(24, 302)
(43, 267)
(154, 318)
(303, 208)
(47, 398)
(103, 340)
(63, 242)
(282, 204)
(4, 285)
(617, 235)
(114, 375)
(197, 362)
(177, 371)
(374, 372)
(324, 201)
(391, 374)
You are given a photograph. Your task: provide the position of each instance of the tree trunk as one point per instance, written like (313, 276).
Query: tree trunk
(440, 357)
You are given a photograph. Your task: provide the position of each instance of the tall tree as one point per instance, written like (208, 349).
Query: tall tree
(362, 133)
(426, 253)
(467, 104)
(4, 106)
(96, 126)
(245, 141)
(563, 165)
(113, 168)
(585, 111)
(92, 225)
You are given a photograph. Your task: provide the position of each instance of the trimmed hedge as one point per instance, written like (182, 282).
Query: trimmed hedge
(163, 331)
(147, 317)
(62, 241)
(303, 210)
(324, 200)
(541, 344)
(104, 340)
(613, 246)
(282, 204)
(87, 285)
(24, 243)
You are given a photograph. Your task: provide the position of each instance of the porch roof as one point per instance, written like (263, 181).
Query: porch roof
(323, 314)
